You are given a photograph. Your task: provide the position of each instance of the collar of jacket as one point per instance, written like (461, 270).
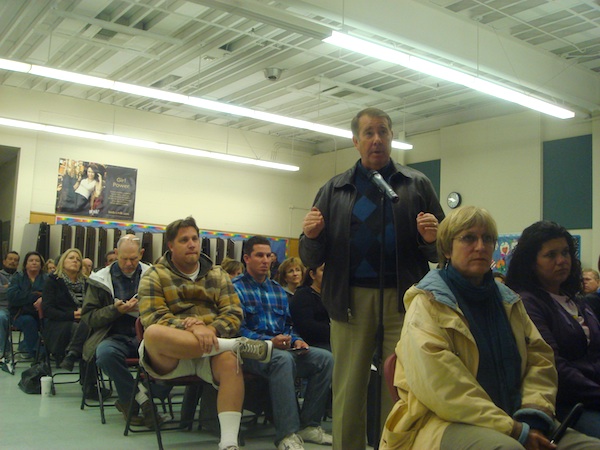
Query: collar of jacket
(347, 178)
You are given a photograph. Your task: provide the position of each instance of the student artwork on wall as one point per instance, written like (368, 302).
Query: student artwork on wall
(506, 245)
(95, 190)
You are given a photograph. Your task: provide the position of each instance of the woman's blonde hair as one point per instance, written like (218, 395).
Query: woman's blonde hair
(61, 262)
(285, 266)
(458, 221)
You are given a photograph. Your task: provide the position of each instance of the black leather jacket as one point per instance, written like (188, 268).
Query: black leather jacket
(335, 200)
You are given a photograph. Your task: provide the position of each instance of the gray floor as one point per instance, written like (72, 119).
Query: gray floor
(36, 422)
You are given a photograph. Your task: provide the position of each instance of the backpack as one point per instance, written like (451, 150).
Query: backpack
(30, 378)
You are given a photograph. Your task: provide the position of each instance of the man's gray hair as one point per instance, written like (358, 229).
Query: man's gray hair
(131, 238)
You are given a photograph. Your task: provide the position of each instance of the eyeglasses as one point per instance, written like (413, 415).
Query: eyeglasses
(472, 239)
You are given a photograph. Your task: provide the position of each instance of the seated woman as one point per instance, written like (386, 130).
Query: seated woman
(63, 298)
(472, 370)
(232, 267)
(309, 316)
(545, 271)
(25, 296)
(290, 274)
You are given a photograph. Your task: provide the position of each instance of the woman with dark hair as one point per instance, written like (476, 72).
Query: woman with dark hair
(545, 271)
(309, 316)
(472, 371)
(86, 191)
(25, 297)
(62, 300)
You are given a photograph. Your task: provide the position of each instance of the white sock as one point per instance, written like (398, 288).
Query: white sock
(230, 428)
(225, 345)
(141, 396)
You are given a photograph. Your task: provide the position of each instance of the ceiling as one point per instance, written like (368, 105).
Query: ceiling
(220, 50)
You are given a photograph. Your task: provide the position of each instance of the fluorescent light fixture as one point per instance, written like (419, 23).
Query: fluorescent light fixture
(383, 53)
(197, 102)
(143, 144)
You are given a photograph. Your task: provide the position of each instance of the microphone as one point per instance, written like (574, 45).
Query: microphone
(382, 185)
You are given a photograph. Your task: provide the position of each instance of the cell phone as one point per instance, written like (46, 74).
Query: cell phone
(299, 350)
(570, 420)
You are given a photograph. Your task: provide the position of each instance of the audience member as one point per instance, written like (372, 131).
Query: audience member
(309, 316)
(591, 289)
(190, 310)
(290, 275)
(274, 265)
(591, 281)
(109, 258)
(62, 300)
(25, 297)
(343, 230)
(110, 309)
(88, 266)
(232, 267)
(472, 369)
(545, 271)
(49, 267)
(267, 318)
(10, 263)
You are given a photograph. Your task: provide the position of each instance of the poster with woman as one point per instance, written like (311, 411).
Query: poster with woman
(96, 190)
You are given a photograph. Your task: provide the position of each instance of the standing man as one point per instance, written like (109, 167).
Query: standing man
(110, 308)
(267, 318)
(10, 263)
(189, 309)
(343, 231)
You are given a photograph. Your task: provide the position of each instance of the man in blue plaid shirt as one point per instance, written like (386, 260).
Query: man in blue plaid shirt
(267, 317)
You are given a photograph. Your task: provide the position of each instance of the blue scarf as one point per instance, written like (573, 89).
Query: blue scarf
(499, 360)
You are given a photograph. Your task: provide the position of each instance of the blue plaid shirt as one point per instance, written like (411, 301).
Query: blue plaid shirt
(266, 309)
(124, 286)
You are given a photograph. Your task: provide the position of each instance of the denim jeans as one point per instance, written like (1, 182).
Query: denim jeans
(316, 366)
(4, 320)
(110, 358)
(29, 326)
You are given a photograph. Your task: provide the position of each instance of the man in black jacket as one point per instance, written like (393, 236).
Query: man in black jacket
(343, 231)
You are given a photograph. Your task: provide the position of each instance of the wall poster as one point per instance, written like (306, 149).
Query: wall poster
(96, 190)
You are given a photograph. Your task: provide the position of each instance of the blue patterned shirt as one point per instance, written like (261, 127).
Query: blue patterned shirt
(266, 309)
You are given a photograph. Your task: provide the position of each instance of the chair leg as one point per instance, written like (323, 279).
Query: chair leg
(131, 401)
(150, 395)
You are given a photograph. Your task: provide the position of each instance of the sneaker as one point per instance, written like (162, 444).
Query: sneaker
(254, 349)
(136, 420)
(316, 435)
(291, 442)
(69, 361)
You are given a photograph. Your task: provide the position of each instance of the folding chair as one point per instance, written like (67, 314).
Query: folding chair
(148, 381)
(102, 382)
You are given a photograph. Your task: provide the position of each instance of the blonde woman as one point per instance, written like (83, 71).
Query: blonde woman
(290, 274)
(62, 301)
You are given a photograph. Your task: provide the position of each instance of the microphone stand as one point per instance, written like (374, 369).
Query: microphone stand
(380, 331)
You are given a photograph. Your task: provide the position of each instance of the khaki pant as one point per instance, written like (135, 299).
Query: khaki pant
(460, 436)
(353, 344)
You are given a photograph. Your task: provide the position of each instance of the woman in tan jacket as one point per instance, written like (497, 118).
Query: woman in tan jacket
(472, 370)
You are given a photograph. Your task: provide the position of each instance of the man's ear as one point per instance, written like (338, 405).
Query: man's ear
(141, 252)
(246, 257)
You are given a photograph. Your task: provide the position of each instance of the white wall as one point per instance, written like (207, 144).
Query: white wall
(221, 196)
(493, 163)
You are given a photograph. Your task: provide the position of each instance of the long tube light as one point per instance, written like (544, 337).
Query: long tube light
(143, 144)
(87, 80)
(383, 53)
